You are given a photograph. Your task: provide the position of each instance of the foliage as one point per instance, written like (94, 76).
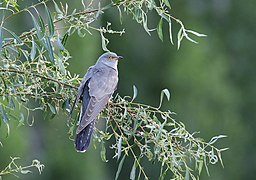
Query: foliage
(143, 131)
(34, 76)
(13, 168)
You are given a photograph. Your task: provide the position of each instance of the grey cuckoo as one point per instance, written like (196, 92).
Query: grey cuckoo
(95, 90)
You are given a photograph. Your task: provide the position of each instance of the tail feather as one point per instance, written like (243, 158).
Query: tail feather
(84, 137)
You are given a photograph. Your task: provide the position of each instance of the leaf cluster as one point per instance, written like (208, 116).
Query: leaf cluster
(144, 132)
(14, 169)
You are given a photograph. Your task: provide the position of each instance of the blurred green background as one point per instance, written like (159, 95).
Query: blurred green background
(212, 87)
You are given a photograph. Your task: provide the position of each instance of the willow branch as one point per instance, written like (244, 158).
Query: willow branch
(38, 75)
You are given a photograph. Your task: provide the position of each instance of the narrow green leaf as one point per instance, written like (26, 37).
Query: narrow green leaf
(49, 49)
(219, 155)
(52, 108)
(206, 167)
(14, 35)
(99, 11)
(166, 93)
(57, 8)
(37, 26)
(25, 171)
(50, 22)
(188, 38)
(145, 23)
(180, 37)
(170, 31)
(120, 15)
(119, 167)
(135, 92)
(61, 65)
(119, 148)
(187, 174)
(196, 33)
(135, 123)
(103, 153)
(215, 138)
(200, 167)
(24, 52)
(11, 103)
(65, 105)
(160, 29)
(60, 43)
(133, 171)
(5, 119)
(41, 24)
(21, 120)
(166, 2)
(64, 39)
(33, 50)
(104, 42)
(224, 149)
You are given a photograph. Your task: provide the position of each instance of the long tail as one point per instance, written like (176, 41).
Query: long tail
(84, 137)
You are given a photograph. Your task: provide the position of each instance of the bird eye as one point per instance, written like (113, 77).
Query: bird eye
(109, 57)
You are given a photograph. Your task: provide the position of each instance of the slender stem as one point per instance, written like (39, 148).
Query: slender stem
(25, 9)
(134, 155)
(55, 21)
(38, 75)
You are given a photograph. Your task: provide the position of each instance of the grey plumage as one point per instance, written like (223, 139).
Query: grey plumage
(95, 90)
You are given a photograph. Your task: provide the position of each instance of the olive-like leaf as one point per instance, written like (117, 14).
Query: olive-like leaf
(41, 24)
(145, 23)
(14, 35)
(166, 93)
(119, 167)
(39, 31)
(135, 92)
(180, 37)
(160, 29)
(103, 153)
(33, 50)
(11, 103)
(133, 171)
(200, 167)
(119, 147)
(48, 46)
(215, 138)
(52, 108)
(5, 119)
(25, 171)
(196, 33)
(60, 43)
(187, 174)
(64, 39)
(49, 21)
(166, 2)
(57, 9)
(61, 65)
(104, 42)
(170, 31)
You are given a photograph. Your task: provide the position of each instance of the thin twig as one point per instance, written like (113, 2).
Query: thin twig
(38, 75)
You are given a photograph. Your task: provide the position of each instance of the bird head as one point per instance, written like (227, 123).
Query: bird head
(109, 59)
